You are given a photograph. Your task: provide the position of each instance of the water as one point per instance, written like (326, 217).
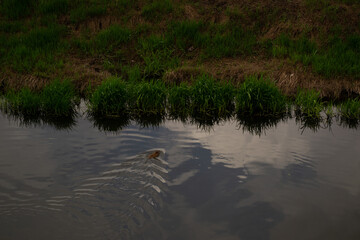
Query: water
(222, 182)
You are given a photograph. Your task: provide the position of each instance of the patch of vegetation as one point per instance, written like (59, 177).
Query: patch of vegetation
(57, 99)
(35, 50)
(123, 5)
(186, 34)
(350, 109)
(341, 58)
(259, 97)
(11, 27)
(179, 100)
(111, 39)
(338, 59)
(308, 103)
(302, 49)
(156, 9)
(57, 7)
(85, 11)
(150, 97)
(16, 9)
(25, 102)
(229, 42)
(157, 55)
(133, 73)
(211, 98)
(110, 98)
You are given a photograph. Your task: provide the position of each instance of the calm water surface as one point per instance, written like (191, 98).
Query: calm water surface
(218, 183)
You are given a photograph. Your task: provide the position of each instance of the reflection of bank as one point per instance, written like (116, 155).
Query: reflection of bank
(40, 120)
(109, 124)
(258, 125)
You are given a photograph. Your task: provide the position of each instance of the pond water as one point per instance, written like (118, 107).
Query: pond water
(221, 182)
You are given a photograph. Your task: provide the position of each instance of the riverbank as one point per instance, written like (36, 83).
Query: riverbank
(297, 44)
(257, 103)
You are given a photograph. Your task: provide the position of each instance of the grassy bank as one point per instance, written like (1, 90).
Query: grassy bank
(182, 59)
(205, 101)
(312, 44)
(256, 105)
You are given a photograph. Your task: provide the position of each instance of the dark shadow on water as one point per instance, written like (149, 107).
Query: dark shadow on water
(313, 123)
(348, 123)
(148, 119)
(178, 116)
(207, 122)
(40, 120)
(257, 125)
(109, 124)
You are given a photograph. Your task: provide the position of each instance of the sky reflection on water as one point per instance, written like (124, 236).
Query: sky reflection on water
(222, 183)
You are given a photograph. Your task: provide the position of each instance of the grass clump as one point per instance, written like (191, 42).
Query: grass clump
(156, 9)
(110, 98)
(302, 49)
(229, 42)
(157, 55)
(149, 97)
(260, 97)
(25, 102)
(350, 109)
(209, 97)
(341, 58)
(179, 100)
(35, 50)
(308, 103)
(186, 34)
(133, 73)
(338, 58)
(58, 98)
(111, 39)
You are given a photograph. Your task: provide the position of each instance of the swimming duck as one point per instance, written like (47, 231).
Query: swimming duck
(154, 154)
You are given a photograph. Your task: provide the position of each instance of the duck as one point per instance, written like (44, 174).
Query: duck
(155, 154)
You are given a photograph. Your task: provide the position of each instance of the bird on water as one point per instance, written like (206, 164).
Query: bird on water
(155, 154)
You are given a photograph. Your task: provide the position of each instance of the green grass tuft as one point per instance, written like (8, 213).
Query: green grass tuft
(259, 97)
(229, 42)
(149, 97)
(58, 98)
(350, 109)
(24, 102)
(186, 34)
(338, 58)
(179, 100)
(110, 98)
(308, 103)
(111, 39)
(157, 55)
(35, 50)
(209, 97)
